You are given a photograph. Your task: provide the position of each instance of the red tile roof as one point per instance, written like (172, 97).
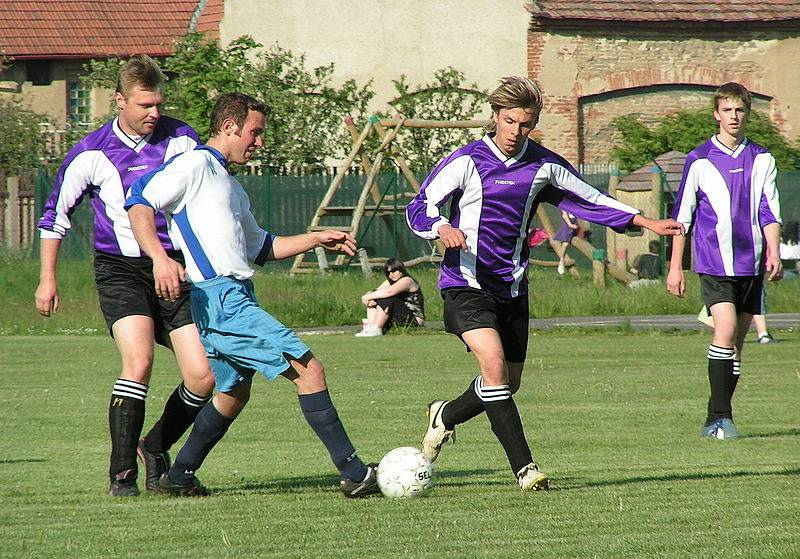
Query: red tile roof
(722, 11)
(100, 28)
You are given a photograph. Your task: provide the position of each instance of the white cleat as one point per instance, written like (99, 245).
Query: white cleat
(531, 479)
(437, 434)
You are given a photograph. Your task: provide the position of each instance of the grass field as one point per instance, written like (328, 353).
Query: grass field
(612, 417)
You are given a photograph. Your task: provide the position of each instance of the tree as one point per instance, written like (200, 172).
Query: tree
(685, 130)
(21, 143)
(445, 98)
(304, 126)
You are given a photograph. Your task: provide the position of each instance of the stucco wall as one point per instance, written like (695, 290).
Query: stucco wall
(626, 68)
(382, 40)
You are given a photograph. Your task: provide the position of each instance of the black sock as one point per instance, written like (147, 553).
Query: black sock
(720, 371)
(463, 408)
(506, 423)
(209, 427)
(179, 413)
(322, 417)
(125, 420)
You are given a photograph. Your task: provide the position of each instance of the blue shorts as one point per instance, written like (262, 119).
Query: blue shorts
(239, 336)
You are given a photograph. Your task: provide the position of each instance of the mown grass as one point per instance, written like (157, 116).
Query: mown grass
(334, 299)
(612, 417)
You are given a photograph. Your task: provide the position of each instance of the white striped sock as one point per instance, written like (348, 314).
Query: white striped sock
(129, 389)
(491, 393)
(736, 366)
(191, 399)
(720, 353)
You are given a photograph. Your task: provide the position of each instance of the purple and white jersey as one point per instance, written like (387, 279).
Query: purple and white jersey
(493, 199)
(103, 166)
(725, 199)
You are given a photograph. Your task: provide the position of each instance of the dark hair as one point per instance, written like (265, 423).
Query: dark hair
(654, 246)
(235, 106)
(394, 265)
(791, 232)
(732, 91)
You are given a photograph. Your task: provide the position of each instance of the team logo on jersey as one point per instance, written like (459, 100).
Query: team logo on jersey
(504, 181)
(739, 170)
(137, 168)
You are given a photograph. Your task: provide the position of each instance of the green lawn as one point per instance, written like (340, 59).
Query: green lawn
(612, 417)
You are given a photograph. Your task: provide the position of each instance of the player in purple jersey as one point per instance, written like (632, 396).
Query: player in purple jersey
(102, 167)
(728, 201)
(494, 186)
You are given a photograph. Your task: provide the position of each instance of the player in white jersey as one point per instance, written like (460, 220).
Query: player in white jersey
(101, 168)
(210, 214)
(728, 201)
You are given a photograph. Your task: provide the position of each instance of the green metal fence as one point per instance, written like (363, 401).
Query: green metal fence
(285, 205)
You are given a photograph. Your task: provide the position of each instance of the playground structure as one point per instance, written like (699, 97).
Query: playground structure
(376, 204)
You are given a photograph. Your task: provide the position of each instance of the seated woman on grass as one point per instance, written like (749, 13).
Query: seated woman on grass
(398, 301)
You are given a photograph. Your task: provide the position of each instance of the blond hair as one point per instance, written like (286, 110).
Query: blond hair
(732, 91)
(140, 71)
(516, 92)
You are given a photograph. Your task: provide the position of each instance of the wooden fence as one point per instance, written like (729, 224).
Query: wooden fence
(17, 211)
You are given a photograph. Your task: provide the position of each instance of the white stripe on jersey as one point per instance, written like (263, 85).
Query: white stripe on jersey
(72, 187)
(471, 205)
(519, 270)
(562, 178)
(440, 187)
(716, 190)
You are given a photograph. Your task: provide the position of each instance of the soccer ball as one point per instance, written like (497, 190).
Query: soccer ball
(404, 473)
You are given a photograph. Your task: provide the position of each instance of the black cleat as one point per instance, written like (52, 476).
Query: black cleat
(356, 490)
(124, 485)
(155, 465)
(193, 488)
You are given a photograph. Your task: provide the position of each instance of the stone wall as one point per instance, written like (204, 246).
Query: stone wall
(591, 76)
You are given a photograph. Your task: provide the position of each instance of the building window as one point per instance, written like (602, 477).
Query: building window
(79, 103)
(38, 72)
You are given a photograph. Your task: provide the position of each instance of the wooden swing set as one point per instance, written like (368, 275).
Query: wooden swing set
(372, 201)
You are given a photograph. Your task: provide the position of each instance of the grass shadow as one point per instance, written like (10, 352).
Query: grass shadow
(21, 460)
(784, 433)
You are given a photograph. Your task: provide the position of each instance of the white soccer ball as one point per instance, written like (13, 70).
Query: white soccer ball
(404, 473)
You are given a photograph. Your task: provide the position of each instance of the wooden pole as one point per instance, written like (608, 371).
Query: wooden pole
(418, 123)
(374, 191)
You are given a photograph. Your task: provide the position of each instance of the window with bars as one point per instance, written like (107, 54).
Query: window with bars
(79, 103)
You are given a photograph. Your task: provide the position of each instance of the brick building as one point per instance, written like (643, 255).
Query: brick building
(601, 59)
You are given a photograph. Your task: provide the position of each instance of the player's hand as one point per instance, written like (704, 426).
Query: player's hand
(663, 227)
(47, 297)
(452, 237)
(774, 268)
(168, 275)
(676, 282)
(338, 241)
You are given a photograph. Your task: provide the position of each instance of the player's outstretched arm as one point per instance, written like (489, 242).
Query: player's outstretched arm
(168, 273)
(286, 247)
(676, 282)
(663, 227)
(47, 291)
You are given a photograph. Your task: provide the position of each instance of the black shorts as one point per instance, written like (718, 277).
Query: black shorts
(399, 314)
(466, 308)
(745, 292)
(126, 287)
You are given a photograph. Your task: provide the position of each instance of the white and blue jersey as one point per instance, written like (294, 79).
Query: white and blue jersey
(493, 200)
(102, 167)
(725, 200)
(208, 213)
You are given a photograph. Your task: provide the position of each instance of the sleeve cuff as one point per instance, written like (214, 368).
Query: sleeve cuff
(137, 200)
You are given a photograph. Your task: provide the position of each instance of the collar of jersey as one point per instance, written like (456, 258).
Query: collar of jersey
(725, 149)
(127, 140)
(508, 161)
(215, 153)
